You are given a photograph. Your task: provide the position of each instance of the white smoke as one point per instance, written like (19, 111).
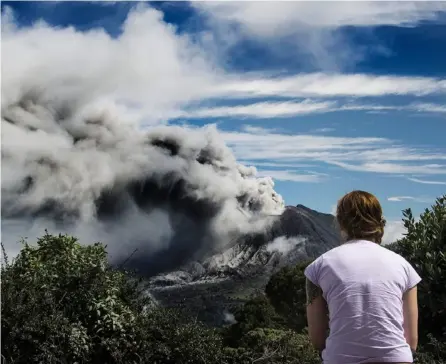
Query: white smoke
(229, 318)
(284, 245)
(75, 158)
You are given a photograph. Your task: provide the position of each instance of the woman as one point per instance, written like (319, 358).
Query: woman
(362, 293)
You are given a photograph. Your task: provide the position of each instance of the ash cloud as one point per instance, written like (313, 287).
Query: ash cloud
(173, 193)
(86, 149)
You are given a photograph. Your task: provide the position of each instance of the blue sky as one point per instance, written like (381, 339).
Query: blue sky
(323, 97)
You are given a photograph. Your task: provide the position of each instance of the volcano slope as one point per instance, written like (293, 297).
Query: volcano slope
(212, 289)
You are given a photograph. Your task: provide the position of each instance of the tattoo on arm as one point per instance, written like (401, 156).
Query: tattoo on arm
(313, 291)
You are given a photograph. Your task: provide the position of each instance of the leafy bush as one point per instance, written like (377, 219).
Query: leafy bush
(273, 346)
(255, 313)
(260, 335)
(176, 339)
(61, 302)
(432, 351)
(424, 246)
(286, 292)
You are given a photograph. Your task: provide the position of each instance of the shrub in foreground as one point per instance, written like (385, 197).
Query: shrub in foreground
(273, 346)
(286, 292)
(62, 302)
(424, 246)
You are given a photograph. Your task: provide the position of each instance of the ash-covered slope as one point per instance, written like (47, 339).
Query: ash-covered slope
(211, 288)
(299, 234)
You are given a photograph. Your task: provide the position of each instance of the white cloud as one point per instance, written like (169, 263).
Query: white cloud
(258, 129)
(379, 155)
(275, 164)
(148, 68)
(262, 110)
(429, 108)
(393, 168)
(409, 198)
(428, 182)
(310, 27)
(271, 19)
(288, 175)
(393, 231)
(286, 109)
(328, 85)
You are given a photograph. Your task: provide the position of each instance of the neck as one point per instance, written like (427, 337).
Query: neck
(353, 240)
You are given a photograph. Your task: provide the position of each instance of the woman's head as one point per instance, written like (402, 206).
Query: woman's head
(360, 216)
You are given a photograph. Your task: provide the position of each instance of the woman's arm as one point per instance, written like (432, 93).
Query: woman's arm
(410, 311)
(317, 315)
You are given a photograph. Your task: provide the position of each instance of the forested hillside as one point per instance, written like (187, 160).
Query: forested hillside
(63, 303)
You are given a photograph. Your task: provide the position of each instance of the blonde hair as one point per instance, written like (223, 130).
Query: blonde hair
(360, 216)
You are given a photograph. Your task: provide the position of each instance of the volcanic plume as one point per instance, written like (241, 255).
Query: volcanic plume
(87, 148)
(170, 192)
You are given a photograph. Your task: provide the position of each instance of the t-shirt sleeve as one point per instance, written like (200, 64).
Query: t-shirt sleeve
(413, 277)
(312, 271)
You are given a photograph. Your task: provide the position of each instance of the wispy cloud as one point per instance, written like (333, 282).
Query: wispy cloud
(275, 164)
(427, 182)
(429, 108)
(289, 175)
(393, 168)
(409, 198)
(275, 19)
(258, 129)
(261, 110)
(378, 155)
(309, 29)
(323, 130)
(329, 85)
(286, 109)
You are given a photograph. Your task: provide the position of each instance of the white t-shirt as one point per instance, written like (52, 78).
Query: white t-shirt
(363, 284)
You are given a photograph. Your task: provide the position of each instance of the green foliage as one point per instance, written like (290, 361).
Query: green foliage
(424, 246)
(61, 302)
(262, 336)
(433, 351)
(273, 346)
(173, 339)
(286, 292)
(255, 313)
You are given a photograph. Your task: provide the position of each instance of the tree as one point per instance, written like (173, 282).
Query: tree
(424, 246)
(261, 335)
(286, 292)
(255, 313)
